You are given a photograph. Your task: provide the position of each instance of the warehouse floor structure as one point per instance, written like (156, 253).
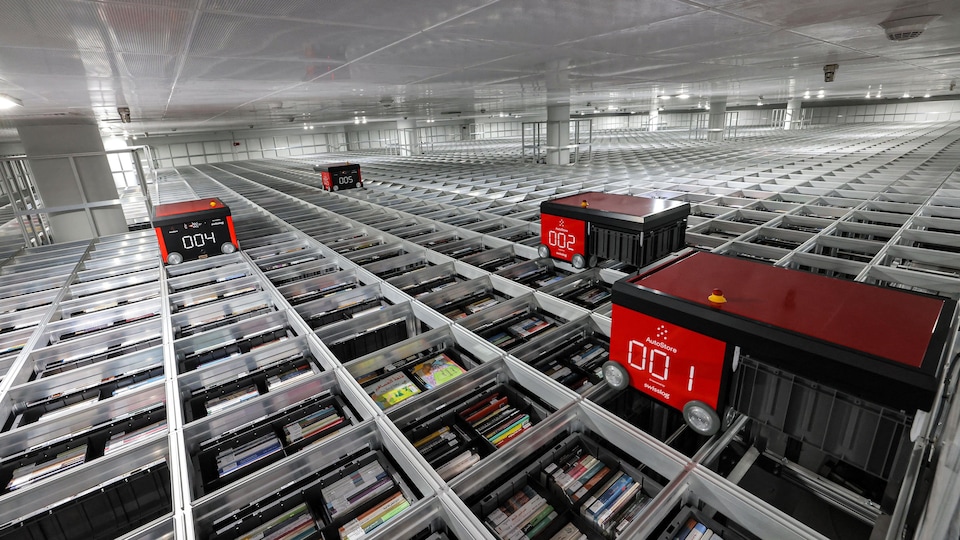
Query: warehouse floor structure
(107, 350)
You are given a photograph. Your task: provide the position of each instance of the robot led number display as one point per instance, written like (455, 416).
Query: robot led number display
(194, 230)
(566, 237)
(667, 361)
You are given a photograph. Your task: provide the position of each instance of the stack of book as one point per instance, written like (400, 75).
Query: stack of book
(234, 459)
(447, 451)
(136, 386)
(460, 463)
(391, 389)
(497, 420)
(593, 296)
(292, 525)
(628, 516)
(524, 515)
(30, 474)
(323, 292)
(565, 375)
(232, 399)
(576, 472)
(368, 311)
(591, 356)
(368, 521)
(13, 347)
(365, 484)
(119, 440)
(482, 304)
(437, 370)
(569, 532)
(548, 280)
(327, 420)
(615, 497)
(288, 375)
(694, 529)
(502, 339)
(457, 306)
(529, 326)
(68, 410)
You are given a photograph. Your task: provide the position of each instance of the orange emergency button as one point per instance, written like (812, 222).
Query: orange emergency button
(213, 204)
(717, 297)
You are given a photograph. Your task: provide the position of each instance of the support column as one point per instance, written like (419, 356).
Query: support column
(792, 114)
(409, 137)
(558, 134)
(467, 131)
(337, 139)
(71, 171)
(717, 120)
(654, 118)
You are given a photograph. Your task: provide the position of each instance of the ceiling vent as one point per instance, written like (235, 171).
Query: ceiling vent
(908, 28)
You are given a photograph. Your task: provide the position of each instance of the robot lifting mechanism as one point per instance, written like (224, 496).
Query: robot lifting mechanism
(826, 372)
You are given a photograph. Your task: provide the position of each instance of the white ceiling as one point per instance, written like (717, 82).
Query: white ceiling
(213, 64)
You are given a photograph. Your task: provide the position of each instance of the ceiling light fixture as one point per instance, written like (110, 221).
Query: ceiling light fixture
(868, 95)
(664, 97)
(683, 96)
(806, 95)
(908, 28)
(926, 95)
(9, 102)
(906, 94)
(760, 101)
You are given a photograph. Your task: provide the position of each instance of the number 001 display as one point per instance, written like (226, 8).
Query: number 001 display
(668, 362)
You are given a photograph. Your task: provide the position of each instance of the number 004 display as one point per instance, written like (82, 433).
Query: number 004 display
(194, 230)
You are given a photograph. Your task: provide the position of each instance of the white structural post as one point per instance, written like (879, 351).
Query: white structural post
(558, 134)
(793, 112)
(717, 120)
(408, 137)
